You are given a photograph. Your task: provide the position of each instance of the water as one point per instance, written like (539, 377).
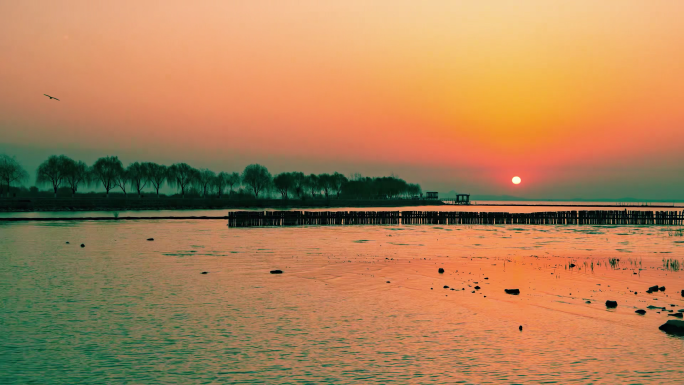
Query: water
(513, 207)
(126, 310)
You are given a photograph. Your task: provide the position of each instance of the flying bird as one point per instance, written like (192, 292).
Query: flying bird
(51, 97)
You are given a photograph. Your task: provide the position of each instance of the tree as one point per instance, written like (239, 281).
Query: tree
(52, 171)
(108, 170)
(325, 181)
(312, 183)
(257, 178)
(220, 181)
(299, 183)
(284, 182)
(205, 178)
(182, 176)
(234, 179)
(122, 179)
(338, 180)
(77, 173)
(11, 171)
(137, 174)
(156, 174)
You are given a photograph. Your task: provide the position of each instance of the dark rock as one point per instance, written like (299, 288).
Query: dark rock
(441, 271)
(611, 304)
(82, 245)
(589, 302)
(572, 265)
(473, 291)
(678, 315)
(512, 291)
(640, 311)
(205, 272)
(486, 278)
(673, 326)
(276, 272)
(662, 288)
(477, 288)
(520, 327)
(446, 287)
(388, 281)
(67, 242)
(655, 307)
(652, 289)
(682, 293)
(150, 239)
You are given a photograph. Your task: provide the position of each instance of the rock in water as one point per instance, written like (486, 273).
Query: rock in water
(446, 287)
(678, 315)
(611, 304)
(150, 239)
(662, 288)
(512, 291)
(652, 289)
(655, 307)
(589, 302)
(572, 265)
(640, 311)
(682, 293)
(388, 281)
(477, 288)
(520, 327)
(205, 272)
(673, 326)
(67, 242)
(82, 245)
(276, 272)
(441, 271)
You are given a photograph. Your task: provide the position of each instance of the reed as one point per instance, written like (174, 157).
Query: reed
(671, 264)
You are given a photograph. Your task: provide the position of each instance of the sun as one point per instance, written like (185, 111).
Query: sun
(516, 180)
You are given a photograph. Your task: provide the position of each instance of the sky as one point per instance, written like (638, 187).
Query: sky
(581, 98)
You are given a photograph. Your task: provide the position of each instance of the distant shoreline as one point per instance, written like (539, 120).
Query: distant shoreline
(133, 203)
(139, 204)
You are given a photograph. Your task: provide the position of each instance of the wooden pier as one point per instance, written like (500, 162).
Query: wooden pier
(325, 218)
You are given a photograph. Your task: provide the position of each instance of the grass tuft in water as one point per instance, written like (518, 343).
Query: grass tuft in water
(671, 264)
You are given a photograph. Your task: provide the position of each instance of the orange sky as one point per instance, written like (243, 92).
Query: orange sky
(577, 97)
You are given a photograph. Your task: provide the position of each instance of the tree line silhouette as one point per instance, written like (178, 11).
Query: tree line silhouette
(60, 172)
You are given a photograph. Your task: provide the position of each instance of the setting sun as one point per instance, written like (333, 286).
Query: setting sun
(516, 180)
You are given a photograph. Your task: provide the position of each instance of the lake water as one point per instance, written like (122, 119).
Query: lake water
(356, 304)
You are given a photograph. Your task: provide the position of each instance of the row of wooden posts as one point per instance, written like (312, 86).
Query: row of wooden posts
(303, 218)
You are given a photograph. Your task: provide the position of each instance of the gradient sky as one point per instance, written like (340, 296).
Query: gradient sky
(581, 98)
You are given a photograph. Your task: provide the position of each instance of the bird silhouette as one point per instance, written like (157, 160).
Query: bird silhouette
(51, 97)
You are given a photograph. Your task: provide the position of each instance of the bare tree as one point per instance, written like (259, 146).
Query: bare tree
(156, 174)
(313, 183)
(122, 179)
(338, 180)
(138, 175)
(108, 170)
(182, 175)
(325, 181)
(11, 171)
(204, 180)
(257, 178)
(52, 171)
(233, 180)
(284, 183)
(77, 173)
(299, 183)
(220, 182)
